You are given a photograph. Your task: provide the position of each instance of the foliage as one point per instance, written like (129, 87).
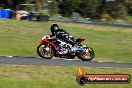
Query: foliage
(114, 9)
(88, 8)
(67, 7)
(106, 16)
(118, 9)
(53, 7)
(94, 8)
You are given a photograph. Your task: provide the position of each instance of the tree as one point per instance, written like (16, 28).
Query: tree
(67, 7)
(87, 8)
(116, 9)
(12, 3)
(119, 11)
(53, 7)
(9, 3)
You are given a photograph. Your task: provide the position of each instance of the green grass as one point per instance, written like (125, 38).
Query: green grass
(45, 12)
(52, 77)
(20, 38)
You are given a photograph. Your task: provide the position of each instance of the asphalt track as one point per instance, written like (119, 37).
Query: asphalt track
(60, 62)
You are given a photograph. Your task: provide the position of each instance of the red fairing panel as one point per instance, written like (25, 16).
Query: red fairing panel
(45, 40)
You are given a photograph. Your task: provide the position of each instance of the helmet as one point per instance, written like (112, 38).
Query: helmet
(54, 28)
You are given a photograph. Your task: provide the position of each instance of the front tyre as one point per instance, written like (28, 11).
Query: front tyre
(45, 51)
(86, 56)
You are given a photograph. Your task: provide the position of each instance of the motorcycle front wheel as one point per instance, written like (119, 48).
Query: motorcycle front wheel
(86, 56)
(45, 51)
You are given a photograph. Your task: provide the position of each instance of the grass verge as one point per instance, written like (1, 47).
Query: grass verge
(20, 38)
(52, 77)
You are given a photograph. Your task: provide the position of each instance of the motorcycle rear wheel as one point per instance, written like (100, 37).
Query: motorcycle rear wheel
(87, 56)
(42, 52)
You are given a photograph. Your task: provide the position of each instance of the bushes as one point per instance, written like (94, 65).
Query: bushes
(67, 7)
(117, 9)
(88, 8)
(53, 8)
(93, 8)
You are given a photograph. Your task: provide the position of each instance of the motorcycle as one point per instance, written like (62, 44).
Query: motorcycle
(52, 46)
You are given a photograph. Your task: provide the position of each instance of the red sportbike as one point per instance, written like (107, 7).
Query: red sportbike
(52, 46)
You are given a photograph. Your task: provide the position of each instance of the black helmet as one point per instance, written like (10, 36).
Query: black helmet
(54, 28)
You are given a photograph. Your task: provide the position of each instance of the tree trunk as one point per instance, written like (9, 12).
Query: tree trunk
(38, 5)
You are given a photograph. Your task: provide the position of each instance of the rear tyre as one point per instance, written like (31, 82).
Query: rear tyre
(45, 51)
(86, 56)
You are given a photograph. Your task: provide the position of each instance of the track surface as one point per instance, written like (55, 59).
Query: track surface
(60, 62)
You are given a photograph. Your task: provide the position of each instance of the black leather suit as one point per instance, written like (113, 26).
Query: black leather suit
(62, 34)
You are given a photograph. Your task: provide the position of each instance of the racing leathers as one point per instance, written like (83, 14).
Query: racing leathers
(63, 35)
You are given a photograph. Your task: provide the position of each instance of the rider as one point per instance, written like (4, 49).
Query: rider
(62, 34)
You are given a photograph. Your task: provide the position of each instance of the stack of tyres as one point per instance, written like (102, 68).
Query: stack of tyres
(38, 17)
(42, 18)
(33, 16)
